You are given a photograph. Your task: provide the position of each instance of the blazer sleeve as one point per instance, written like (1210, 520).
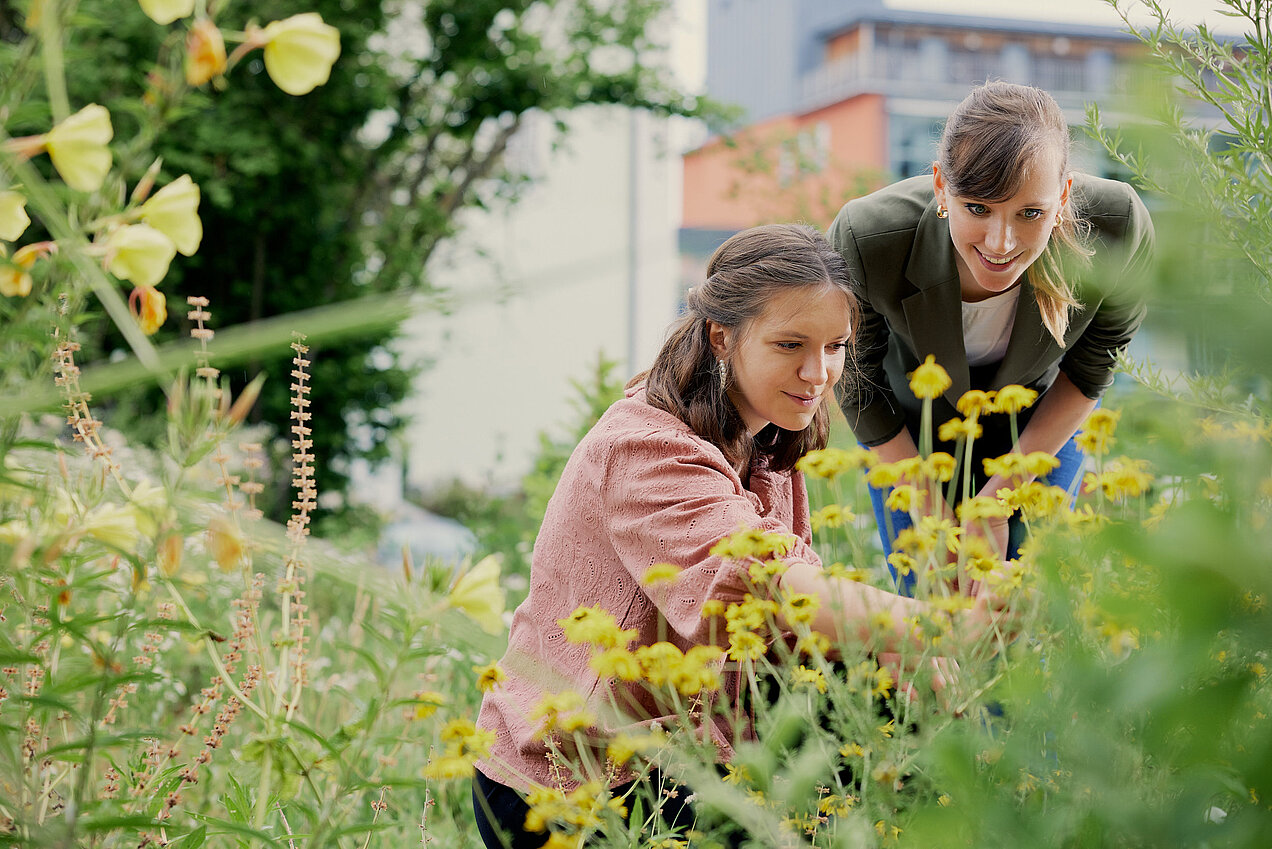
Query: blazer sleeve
(669, 499)
(1117, 277)
(868, 402)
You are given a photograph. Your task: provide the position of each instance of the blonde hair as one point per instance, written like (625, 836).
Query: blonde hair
(991, 141)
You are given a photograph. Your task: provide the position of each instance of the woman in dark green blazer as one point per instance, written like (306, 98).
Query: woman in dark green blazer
(1008, 269)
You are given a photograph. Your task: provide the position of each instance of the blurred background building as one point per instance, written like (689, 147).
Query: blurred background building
(837, 97)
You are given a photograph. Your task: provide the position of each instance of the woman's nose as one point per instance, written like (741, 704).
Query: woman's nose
(999, 237)
(815, 370)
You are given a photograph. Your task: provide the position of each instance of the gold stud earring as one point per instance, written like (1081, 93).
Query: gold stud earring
(942, 212)
(1059, 218)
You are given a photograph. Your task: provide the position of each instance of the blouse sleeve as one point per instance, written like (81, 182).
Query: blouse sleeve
(669, 499)
(1119, 269)
(865, 395)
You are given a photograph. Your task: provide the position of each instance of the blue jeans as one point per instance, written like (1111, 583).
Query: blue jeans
(891, 522)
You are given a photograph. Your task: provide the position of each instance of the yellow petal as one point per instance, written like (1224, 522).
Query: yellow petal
(205, 52)
(478, 594)
(78, 148)
(164, 12)
(14, 281)
(225, 543)
(150, 308)
(114, 525)
(139, 253)
(13, 217)
(174, 211)
(299, 52)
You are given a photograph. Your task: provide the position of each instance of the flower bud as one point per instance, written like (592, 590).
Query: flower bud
(164, 12)
(140, 253)
(78, 148)
(225, 543)
(205, 52)
(150, 308)
(15, 277)
(299, 52)
(174, 211)
(13, 217)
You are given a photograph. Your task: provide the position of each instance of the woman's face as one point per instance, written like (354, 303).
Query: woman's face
(995, 242)
(785, 362)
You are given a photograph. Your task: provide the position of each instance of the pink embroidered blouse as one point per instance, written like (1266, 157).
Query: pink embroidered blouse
(641, 488)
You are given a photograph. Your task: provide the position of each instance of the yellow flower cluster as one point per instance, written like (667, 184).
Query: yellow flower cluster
(829, 463)
(1035, 500)
(580, 810)
(1121, 479)
(562, 711)
(466, 743)
(597, 627)
(1096, 437)
(1034, 464)
(831, 516)
(753, 543)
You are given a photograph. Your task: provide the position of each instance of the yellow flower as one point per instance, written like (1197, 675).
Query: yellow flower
(929, 380)
(753, 542)
(617, 663)
(902, 562)
(975, 402)
(713, 607)
(1014, 398)
(114, 525)
(205, 52)
(225, 544)
(906, 498)
(174, 211)
(140, 253)
(596, 626)
(800, 608)
(812, 677)
(299, 52)
(15, 282)
(1096, 437)
(488, 676)
(150, 308)
(736, 774)
(831, 516)
(478, 594)
(884, 475)
(939, 466)
(164, 12)
(168, 553)
(828, 463)
(956, 429)
(427, 702)
(13, 217)
(78, 148)
(982, 507)
(660, 573)
(745, 645)
(813, 643)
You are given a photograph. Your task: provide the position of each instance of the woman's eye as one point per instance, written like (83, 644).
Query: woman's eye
(976, 208)
(788, 346)
(838, 346)
(1032, 214)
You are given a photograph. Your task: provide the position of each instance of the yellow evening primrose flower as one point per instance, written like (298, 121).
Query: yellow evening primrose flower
(299, 52)
(164, 12)
(975, 402)
(489, 675)
(929, 380)
(15, 282)
(168, 554)
(78, 148)
(149, 307)
(139, 253)
(174, 211)
(1014, 398)
(205, 52)
(478, 594)
(956, 429)
(225, 543)
(112, 524)
(13, 217)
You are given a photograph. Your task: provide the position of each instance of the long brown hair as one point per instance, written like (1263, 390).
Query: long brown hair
(742, 276)
(991, 141)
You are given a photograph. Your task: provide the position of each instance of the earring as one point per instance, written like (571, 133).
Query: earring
(1059, 218)
(942, 212)
(724, 373)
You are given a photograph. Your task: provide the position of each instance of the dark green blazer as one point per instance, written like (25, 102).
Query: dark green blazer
(903, 270)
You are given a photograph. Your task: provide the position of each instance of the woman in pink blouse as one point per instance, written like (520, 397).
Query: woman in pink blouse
(704, 444)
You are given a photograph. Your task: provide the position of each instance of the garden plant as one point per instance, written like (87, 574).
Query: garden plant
(177, 670)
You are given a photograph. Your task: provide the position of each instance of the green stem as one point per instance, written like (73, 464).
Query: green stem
(54, 61)
(216, 658)
(262, 793)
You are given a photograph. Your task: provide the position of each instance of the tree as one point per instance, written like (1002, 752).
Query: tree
(347, 192)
